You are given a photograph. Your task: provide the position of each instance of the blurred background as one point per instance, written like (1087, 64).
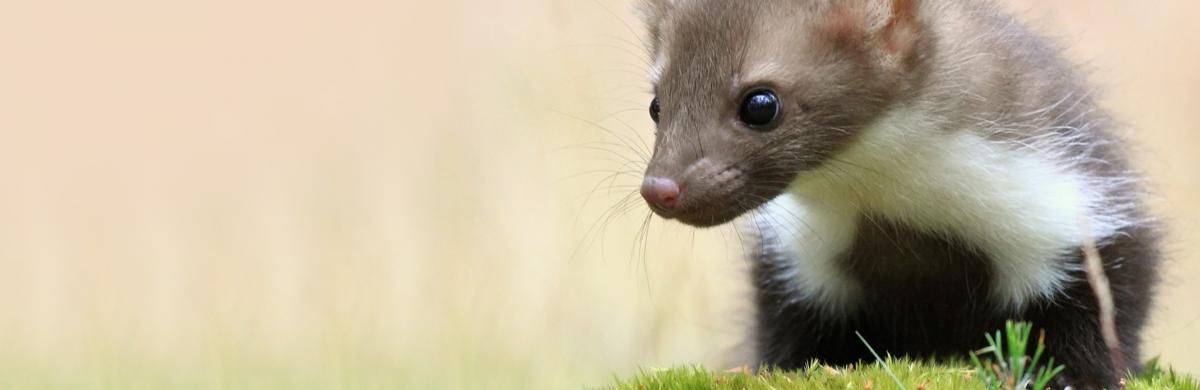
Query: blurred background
(438, 194)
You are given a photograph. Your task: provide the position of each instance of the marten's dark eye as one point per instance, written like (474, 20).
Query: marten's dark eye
(654, 109)
(759, 110)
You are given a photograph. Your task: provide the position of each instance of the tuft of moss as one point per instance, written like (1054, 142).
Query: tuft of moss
(914, 375)
(1006, 361)
(1154, 376)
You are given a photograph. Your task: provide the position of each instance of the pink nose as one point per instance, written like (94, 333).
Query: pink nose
(661, 192)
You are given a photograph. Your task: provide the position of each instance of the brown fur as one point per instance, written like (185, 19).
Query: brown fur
(714, 46)
(838, 66)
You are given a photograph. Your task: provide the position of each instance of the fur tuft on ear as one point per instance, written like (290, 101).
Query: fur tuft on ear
(847, 25)
(888, 27)
(652, 11)
(901, 31)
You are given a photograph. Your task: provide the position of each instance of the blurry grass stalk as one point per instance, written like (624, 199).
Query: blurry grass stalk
(1100, 287)
(880, 360)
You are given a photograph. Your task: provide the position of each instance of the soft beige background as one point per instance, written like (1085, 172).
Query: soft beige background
(379, 194)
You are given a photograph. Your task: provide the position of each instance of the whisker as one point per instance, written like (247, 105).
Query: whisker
(642, 153)
(627, 26)
(601, 223)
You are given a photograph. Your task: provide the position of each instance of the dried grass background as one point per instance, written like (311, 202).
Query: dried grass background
(378, 194)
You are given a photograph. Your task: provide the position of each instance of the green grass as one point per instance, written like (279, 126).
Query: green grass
(912, 374)
(1157, 377)
(1006, 363)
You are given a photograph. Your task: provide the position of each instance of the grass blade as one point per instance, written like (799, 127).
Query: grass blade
(880, 361)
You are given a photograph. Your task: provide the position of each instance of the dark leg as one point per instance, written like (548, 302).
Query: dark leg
(791, 332)
(1072, 324)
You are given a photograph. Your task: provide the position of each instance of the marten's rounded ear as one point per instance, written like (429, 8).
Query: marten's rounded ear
(652, 13)
(900, 32)
(890, 28)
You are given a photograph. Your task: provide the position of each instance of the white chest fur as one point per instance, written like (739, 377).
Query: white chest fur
(1025, 211)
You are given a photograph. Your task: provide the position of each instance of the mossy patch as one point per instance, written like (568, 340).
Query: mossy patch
(912, 374)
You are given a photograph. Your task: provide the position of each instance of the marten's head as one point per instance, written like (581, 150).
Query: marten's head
(750, 94)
